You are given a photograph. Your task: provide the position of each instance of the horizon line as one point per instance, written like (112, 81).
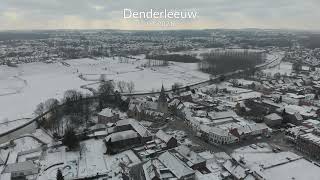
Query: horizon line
(202, 29)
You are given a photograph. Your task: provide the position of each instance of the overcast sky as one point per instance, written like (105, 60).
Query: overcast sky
(108, 14)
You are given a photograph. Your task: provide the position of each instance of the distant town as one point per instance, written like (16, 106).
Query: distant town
(215, 104)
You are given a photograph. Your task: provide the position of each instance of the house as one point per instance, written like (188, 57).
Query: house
(294, 118)
(191, 158)
(309, 143)
(122, 139)
(273, 120)
(175, 166)
(237, 171)
(216, 135)
(167, 166)
(173, 106)
(126, 134)
(107, 115)
(248, 130)
(169, 140)
(155, 170)
(21, 169)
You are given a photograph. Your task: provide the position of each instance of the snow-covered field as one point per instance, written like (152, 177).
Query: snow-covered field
(283, 68)
(40, 82)
(23, 88)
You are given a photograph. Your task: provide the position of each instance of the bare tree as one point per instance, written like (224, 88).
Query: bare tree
(130, 87)
(235, 82)
(106, 88)
(40, 109)
(103, 78)
(121, 85)
(51, 103)
(72, 95)
(176, 86)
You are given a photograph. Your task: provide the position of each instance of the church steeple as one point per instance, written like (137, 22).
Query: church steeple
(162, 101)
(162, 96)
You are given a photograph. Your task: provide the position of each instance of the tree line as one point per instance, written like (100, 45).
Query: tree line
(174, 58)
(219, 62)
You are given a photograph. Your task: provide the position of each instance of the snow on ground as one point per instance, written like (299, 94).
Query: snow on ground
(25, 144)
(43, 136)
(58, 159)
(43, 81)
(126, 159)
(5, 124)
(284, 68)
(147, 79)
(23, 88)
(92, 160)
(276, 166)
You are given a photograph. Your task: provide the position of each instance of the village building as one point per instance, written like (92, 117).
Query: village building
(169, 140)
(190, 158)
(21, 169)
(149, 110)
(126, 134)
(273, 120)
(309, 143)
(107, 115)
(167, 166)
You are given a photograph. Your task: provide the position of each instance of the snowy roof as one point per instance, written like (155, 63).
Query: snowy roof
(275, 166)
(140, 129)
(223, 114)
(311, 137)
(150, 105)
(271, 103)
(273, 116)
(123, 122)
(252, 127)
(295, 96)
(216, 131)
(155, 168)
(153, 113)
(21, 166)
(303, 110)
(174, 102)
(122, 135)
(107, 112)
(235, 169)
(191, 157)
(299, 169)
(163, 136)
(178, 168)
(97, 127)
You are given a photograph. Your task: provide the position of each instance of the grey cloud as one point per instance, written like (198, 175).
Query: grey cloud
(260, 13)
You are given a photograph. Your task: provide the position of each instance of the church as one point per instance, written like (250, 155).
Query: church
(162, 102)
(141, 109)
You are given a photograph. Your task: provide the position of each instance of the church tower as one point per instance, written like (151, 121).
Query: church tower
(162, 101)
